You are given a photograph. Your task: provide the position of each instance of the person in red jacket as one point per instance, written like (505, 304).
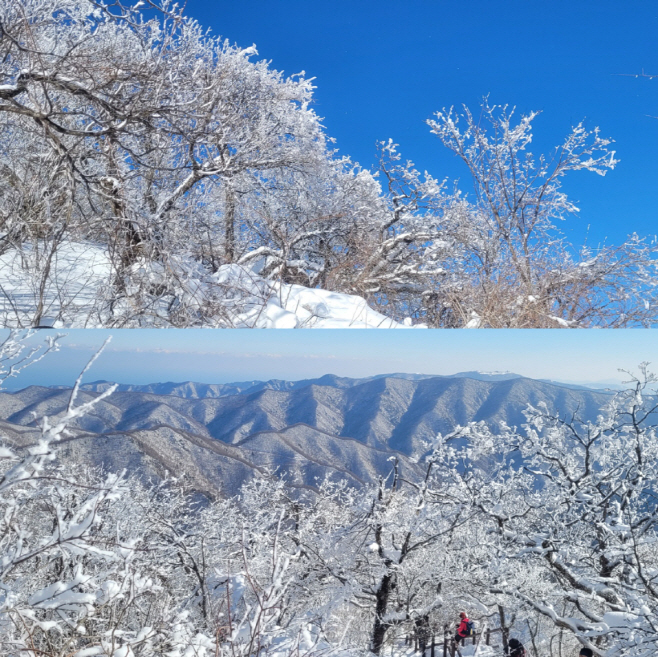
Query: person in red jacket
(462, 628)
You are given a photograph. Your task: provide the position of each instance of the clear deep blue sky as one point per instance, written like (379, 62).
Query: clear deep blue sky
(383, 67)
(222, 356)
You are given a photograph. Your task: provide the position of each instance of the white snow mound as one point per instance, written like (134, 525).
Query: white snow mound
(72, 287)
(259, 303)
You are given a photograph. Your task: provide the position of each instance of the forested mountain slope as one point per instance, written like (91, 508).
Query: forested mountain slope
(216, 436)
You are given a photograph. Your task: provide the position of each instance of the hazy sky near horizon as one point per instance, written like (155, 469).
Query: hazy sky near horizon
(222, 356)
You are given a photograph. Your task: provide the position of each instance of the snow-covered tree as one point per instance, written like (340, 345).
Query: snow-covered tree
(119, 130)
(142, 160)
(512, 266)
(572, 518)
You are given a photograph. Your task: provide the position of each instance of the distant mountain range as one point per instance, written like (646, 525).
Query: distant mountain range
(192, 390)
(215, 436)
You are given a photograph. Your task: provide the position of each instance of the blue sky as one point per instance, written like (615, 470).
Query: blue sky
(383, 67)
(216, 356)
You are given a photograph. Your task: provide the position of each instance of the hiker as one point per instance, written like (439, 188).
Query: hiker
(516, 648)
(585, 652)
(463, 629)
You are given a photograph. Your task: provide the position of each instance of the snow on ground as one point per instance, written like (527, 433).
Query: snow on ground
(42, 282)
(72, 285)
(480, 650)
(266, 304)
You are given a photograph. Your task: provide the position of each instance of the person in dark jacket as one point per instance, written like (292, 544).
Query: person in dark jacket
(516, 648)
(585, 652)
(462, 628)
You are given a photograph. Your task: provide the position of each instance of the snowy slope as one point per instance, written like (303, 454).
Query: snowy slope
(258, 303)
(72, 286)
(383, 413)
(64, 283)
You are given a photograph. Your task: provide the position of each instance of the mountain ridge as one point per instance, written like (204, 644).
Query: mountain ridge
(215, 390)
(329, 426)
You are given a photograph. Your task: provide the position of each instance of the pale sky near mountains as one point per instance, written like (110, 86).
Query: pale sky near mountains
(207, 356)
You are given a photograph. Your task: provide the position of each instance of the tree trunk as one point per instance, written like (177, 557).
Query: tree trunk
(423, 632)
(229, 218)
(381, 626)
(504, 630)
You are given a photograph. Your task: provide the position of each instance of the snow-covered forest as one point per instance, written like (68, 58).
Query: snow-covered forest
(545, 534)
(153, 175)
